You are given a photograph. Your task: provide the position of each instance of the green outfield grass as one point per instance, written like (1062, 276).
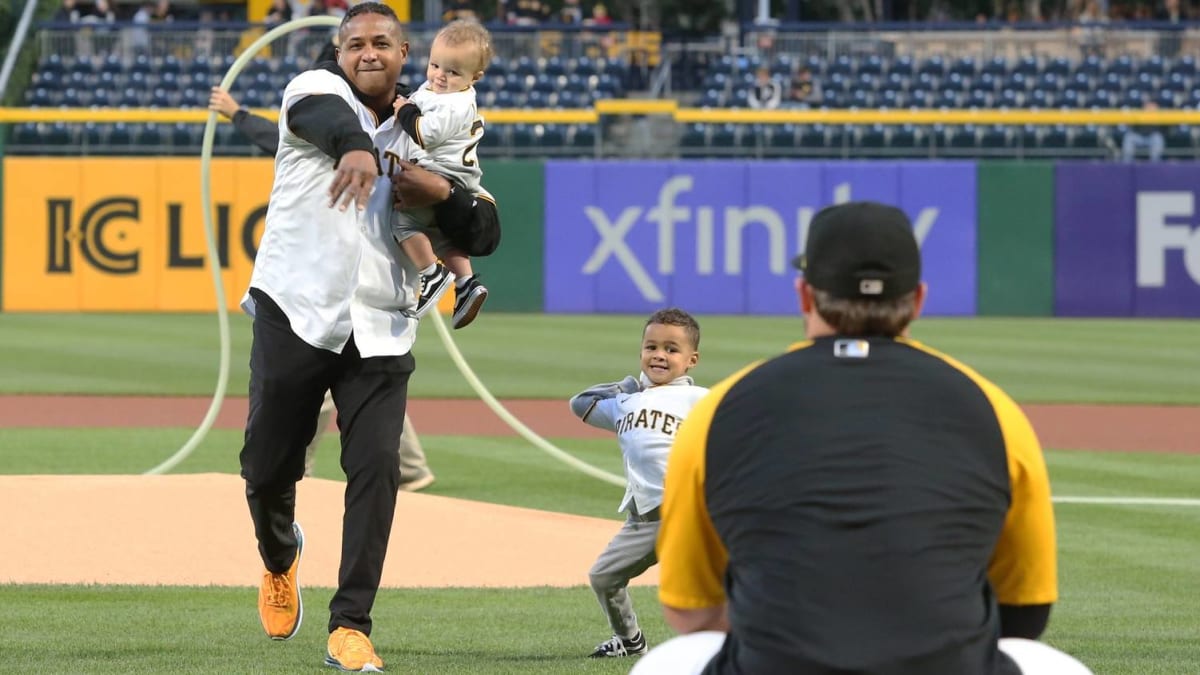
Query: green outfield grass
(1128, 574)
(534, 356)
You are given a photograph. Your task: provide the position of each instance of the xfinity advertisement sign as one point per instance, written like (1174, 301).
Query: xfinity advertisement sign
(718, 237)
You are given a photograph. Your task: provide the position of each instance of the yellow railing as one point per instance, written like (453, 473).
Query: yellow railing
(672, 109)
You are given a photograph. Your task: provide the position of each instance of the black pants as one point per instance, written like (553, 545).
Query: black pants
(288, 380)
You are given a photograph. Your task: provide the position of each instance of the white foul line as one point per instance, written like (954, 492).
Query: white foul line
(1128, 501)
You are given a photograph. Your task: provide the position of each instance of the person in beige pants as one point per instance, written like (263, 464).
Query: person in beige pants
(415, 473)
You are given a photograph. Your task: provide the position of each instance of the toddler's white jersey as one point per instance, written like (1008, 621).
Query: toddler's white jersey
(448, 133)
(646, 423)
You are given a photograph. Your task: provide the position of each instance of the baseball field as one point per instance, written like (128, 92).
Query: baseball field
(103, 570)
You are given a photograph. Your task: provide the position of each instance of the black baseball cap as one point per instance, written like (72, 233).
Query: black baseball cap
(861, 250)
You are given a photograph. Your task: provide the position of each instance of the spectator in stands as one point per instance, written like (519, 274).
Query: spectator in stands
(1091, 30)
(100, 13)
(280, 12)
(527, 12)
(459, 10)
(600, 16)
(162, 11)
(571, 12)
(767, 93)
(1148, 136)
(68, 12)
(804, 90)
(1172, 39)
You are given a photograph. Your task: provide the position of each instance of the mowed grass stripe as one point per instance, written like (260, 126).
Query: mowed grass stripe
(554, 356)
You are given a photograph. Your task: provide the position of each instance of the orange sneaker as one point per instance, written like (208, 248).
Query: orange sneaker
(351, 650)
(279, 605)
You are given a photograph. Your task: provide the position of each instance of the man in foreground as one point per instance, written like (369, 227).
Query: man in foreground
(862, 503)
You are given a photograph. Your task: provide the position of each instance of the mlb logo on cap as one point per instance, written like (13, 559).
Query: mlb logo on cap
(861, 250)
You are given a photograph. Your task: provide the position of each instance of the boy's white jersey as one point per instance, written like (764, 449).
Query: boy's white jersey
(646, 423)
(448, 134)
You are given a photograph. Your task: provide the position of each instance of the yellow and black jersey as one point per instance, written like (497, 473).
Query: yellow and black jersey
(862, 505)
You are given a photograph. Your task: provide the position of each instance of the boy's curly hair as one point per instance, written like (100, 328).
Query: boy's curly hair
(673, 316)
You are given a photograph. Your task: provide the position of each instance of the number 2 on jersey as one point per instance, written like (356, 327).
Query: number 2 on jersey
(468, 157)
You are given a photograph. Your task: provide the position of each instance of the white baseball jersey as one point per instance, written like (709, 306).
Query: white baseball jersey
(646, 423)
(448, 133)
(332, 273)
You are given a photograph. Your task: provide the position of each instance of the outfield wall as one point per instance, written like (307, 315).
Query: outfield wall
(998, 238)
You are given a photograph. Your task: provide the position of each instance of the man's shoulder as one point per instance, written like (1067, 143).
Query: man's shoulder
(318, 81)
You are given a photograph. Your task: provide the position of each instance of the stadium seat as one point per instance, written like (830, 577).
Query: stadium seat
(1185, 65)
(1091, 66)
(871, 65)
(119, 134)
(1027, 136)
(583, 136)
(522, 135)
(902, 65)
(813, 136)
(994, 137)
(961, 137)
(996, 66)
(934, 65)
(872, 138)
(1059, 66)
(1055, 138)
(1180, 137)
(1027, 66)
(1122, 65)
(963, 66)
(151, 136)
(1086, 138)
(551, 135)
(553, 66)
(1153, 65)
(723, 136)
(842, 65)
(904, 138)
(782, 136)
(694, 136)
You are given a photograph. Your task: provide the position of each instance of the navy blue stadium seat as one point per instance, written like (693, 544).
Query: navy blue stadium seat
(978, 98)
(1008, 98)
(93, 133)
(995, 136)
(842, 65)
(1028, 136)
(1185, 65)
(1177, 82)
(989, 82)
(1027, 66)
(1086, 138)
(782, 65)
(185, 135)
(1180, 137)
(522, 135)
(871, 65)
(963, 66)
(813, 136)
(583, 136)
(504, 99)
(723, 136)
(524, 66)
(903, 65)
(711, 98)
(919, 98)
(781, 136)
(1039, 98)
(53, 65)
(1072, 98)
(996, 66)
(903, 137)
(873, 137)
(536, 99)
(934, 65)
(694, 136)
(151, 135)
(38, 97)
(551, 135)
(1153, 65)
(961, 137)
(553, 66)
(1054, 137)
(1090, 65)
(1122, 65)
(120, 134)
(1059, 66)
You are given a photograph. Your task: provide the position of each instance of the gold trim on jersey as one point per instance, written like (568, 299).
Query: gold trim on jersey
(1024, 567)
